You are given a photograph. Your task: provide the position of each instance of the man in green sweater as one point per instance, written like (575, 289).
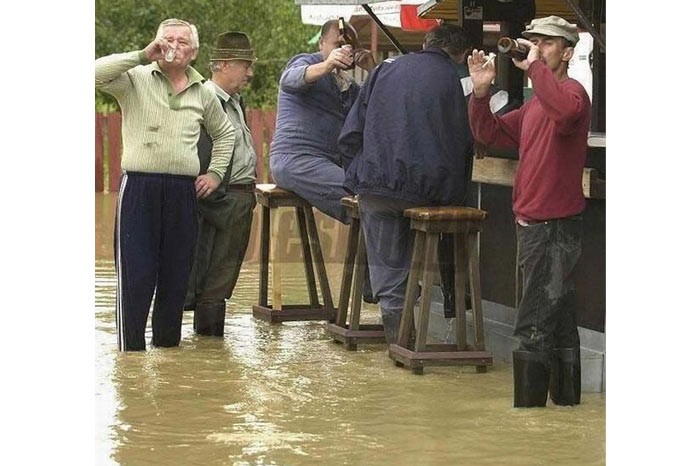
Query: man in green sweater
(163, 102)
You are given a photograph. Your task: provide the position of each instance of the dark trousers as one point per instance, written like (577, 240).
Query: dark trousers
(224, 233)
(154, 240)
(548, 255)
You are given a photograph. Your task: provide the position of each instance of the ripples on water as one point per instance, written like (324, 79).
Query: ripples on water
(285, 394)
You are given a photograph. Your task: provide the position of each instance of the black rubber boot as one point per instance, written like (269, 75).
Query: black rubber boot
(209, 319)
(188, 306)
(391, 327)
(530, 378)
(448, 303)
(447, 277)
(367, 294)
(565, 379)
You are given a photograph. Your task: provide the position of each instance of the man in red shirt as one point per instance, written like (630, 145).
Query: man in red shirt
(550, 130)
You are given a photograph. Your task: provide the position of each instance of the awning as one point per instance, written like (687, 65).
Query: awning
(439, 9)
(570, 10)
(449, 11)
(400, 14)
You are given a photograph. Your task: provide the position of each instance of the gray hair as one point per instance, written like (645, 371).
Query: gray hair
(179, 22)
(215, 65)
(449, 37)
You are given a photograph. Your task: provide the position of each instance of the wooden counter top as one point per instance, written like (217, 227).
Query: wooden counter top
(498, 171)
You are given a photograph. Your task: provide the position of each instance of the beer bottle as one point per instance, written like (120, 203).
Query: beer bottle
(513, 48)
(346, 39)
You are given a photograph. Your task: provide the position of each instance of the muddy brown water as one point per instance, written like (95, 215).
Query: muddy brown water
(285, 394)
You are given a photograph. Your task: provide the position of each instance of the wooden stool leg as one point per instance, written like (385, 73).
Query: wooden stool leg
(358, 282)
(307, 256)
(475, 284)
(411, 289)
(348, 270)
(460, 261)
(430, 272)
(264, 256)
(317, 254)
(275, 262)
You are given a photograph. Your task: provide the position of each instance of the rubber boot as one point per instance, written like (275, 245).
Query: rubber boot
(209, 319)
(367, 294)
(447, 277)
(530, 378)
(391, 327)
(565, 378)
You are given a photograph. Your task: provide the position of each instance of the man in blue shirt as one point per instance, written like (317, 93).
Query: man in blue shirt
(315, 95)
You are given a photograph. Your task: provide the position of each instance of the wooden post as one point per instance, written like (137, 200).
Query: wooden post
(275, 264)
(99, 154)
(374, 41)
(114, 144)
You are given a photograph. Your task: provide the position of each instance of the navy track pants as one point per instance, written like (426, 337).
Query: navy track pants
(155, 234)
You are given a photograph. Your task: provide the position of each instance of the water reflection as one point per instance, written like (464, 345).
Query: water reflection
(286, 395)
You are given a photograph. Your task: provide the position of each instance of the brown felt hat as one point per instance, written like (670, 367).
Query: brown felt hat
(232, 46)
(553, 26)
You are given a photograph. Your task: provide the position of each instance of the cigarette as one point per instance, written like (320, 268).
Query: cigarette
(489, 60)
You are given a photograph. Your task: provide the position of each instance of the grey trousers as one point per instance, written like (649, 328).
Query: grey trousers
(318, 180)
(389, 242)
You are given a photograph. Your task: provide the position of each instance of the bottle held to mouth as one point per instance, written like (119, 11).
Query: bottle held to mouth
(346, 40)
(513, 48)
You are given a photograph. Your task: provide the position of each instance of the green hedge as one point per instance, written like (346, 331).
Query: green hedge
(274, 27)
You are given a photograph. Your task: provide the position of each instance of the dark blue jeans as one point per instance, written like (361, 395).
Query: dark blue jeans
(548, 255)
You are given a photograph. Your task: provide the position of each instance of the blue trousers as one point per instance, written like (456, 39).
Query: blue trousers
(154, 242)
(549, 252)
(316, 179)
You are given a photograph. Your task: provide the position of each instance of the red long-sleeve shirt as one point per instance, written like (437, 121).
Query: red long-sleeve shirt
(551, 132)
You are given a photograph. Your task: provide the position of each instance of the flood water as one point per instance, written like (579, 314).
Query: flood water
(285, 394)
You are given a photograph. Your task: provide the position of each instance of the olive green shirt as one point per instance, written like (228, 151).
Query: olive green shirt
(244, 159)
(160, 129)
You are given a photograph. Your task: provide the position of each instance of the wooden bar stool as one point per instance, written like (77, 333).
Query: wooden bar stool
(429, 222)
(270, 197)
(349, 331)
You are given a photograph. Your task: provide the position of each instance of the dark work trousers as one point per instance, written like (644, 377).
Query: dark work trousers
(224, 232)
(155, 233)
(549, 252)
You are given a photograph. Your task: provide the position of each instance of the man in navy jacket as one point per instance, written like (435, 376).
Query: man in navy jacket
(406, 143)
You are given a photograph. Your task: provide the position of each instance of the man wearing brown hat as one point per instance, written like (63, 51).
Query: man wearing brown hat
(226, 215)
(550, 131)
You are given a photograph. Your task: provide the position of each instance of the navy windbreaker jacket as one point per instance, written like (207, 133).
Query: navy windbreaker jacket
(407, 134)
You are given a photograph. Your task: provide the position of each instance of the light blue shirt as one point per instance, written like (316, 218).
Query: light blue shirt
(310, 115)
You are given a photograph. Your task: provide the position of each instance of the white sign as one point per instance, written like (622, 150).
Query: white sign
(388, 12)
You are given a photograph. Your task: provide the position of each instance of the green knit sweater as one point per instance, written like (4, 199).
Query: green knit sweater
(159, 128)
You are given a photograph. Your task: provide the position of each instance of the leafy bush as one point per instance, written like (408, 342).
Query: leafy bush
(274, 27)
